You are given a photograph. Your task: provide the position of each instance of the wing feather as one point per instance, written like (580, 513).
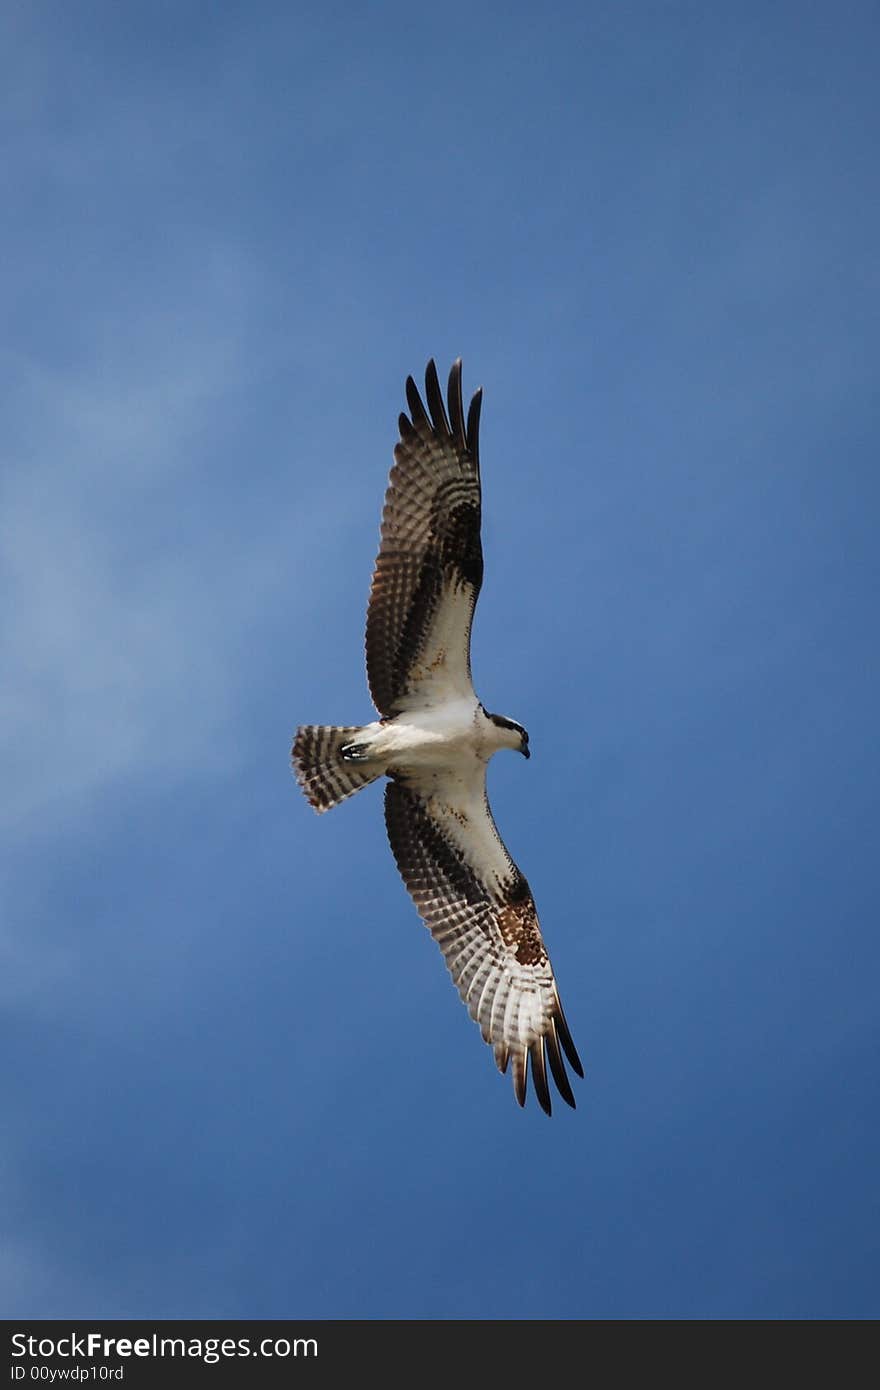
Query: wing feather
(435, 400)
(456, 403)
(473, 426)
(557, 1066)
(539, 1075)
(520, 1075)
(430, 563)
(480, 910)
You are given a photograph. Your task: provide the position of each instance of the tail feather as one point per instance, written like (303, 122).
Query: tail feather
(324, 775)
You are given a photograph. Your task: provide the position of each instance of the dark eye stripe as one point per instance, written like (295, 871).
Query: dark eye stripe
(503, 723)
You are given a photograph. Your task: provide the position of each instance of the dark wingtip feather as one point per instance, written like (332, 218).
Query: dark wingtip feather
(557, 1067)
(456, 404)
(435, 399)
(472, 433)
(565, 1038)
(520, 1075)
(414, 401)
(539, 1076)
(502, 1053)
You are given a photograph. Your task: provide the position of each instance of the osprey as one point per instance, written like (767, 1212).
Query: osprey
(434, 740)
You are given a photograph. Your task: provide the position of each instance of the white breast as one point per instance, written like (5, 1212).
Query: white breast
(429, 737)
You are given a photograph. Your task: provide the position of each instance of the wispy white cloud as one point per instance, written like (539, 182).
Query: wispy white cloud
(127, 585)
(98, 632)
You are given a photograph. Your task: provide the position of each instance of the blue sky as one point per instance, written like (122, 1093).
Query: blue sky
(238, 1081)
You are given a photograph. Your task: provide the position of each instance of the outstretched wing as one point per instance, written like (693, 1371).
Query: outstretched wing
(430, 562)
(480, 911)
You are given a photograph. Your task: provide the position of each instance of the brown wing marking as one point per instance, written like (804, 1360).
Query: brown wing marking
(492, 944)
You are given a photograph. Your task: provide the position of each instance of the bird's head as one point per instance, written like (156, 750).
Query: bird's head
(517, 737)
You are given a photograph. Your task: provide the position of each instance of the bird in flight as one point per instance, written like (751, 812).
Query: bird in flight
(434, 739)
